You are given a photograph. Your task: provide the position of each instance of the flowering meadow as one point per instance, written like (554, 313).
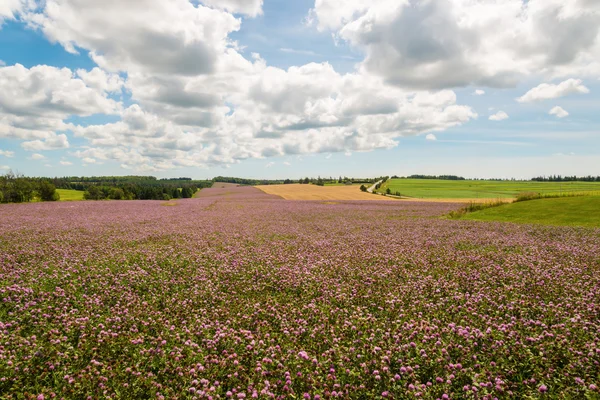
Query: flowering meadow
(238, 294)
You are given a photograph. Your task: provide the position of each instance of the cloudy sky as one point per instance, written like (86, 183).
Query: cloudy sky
(280, 88)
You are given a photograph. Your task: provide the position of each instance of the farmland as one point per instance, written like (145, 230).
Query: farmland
(466, 189)
(568, 211)
(70, 195)
(325, 193)
(239, 294)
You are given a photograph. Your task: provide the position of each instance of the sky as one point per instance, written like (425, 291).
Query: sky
(286, 89)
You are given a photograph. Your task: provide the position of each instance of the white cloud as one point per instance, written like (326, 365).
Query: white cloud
(7, 153)
(144, 36)
(286, 163)
(101, 80)
(559, 112)
(479, 92)
(35, 102)
(547, 91)
(37, 156)
(248, 7)
(4, 167)
(499, 116)
(431, 137)
(295, 51)
(443, 44)
(197, 101)
(9, 8)
(54, 142)
(2, 63)
(269, 165)
(66, 163)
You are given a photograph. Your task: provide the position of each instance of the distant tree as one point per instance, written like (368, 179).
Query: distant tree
(47, 191)
(306, 181)
(363, 188)
(116, 194)
(388, 191)
(93, 193)
(187, 192)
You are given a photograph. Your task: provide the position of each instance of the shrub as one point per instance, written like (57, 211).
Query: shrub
(363, 188)
(47, 191)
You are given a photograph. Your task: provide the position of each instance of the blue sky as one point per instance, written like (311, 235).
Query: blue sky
(279, 89)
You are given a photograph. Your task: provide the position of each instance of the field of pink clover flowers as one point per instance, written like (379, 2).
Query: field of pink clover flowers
(238, 294)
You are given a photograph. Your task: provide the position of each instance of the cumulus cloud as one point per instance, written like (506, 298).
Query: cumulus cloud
(152, 36)
(431, 137)
(547, 91)
(35, 102)
(2, 63)
(66, 163)
(444, 44)
(197, 101)
(7, 153)
(9, 8)
(499, 116)
(4, 167)
(479, 92)
(37, 156)
(54, 142)
(248, 7)
(101, 80)
(559, 112)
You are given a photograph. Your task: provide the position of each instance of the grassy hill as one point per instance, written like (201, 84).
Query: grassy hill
(567, 211)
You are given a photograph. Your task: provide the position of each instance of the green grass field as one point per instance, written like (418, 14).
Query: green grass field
(70, 195)
(567, 211)
(440, 189)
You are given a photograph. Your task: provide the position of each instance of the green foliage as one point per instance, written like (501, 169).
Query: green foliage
(363, 188)
(47, 191)
(116, 194)
(16, 188)
(94, 193)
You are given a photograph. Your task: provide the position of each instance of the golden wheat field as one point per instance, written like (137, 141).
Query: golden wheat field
(330, 193)
(314, 192)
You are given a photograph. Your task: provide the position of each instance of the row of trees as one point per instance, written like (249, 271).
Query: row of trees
(559, 178)
(440, 177)
(139, 192)
(15, 188)
(83, 183)
(315, 181)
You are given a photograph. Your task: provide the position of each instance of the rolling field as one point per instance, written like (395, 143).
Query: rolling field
(568, 211)
(325, 193)
(443, 189)
(238, 294)
(70, 195)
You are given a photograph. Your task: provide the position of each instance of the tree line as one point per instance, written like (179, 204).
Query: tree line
(16, 188)
(559, 178)
(440, 177)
